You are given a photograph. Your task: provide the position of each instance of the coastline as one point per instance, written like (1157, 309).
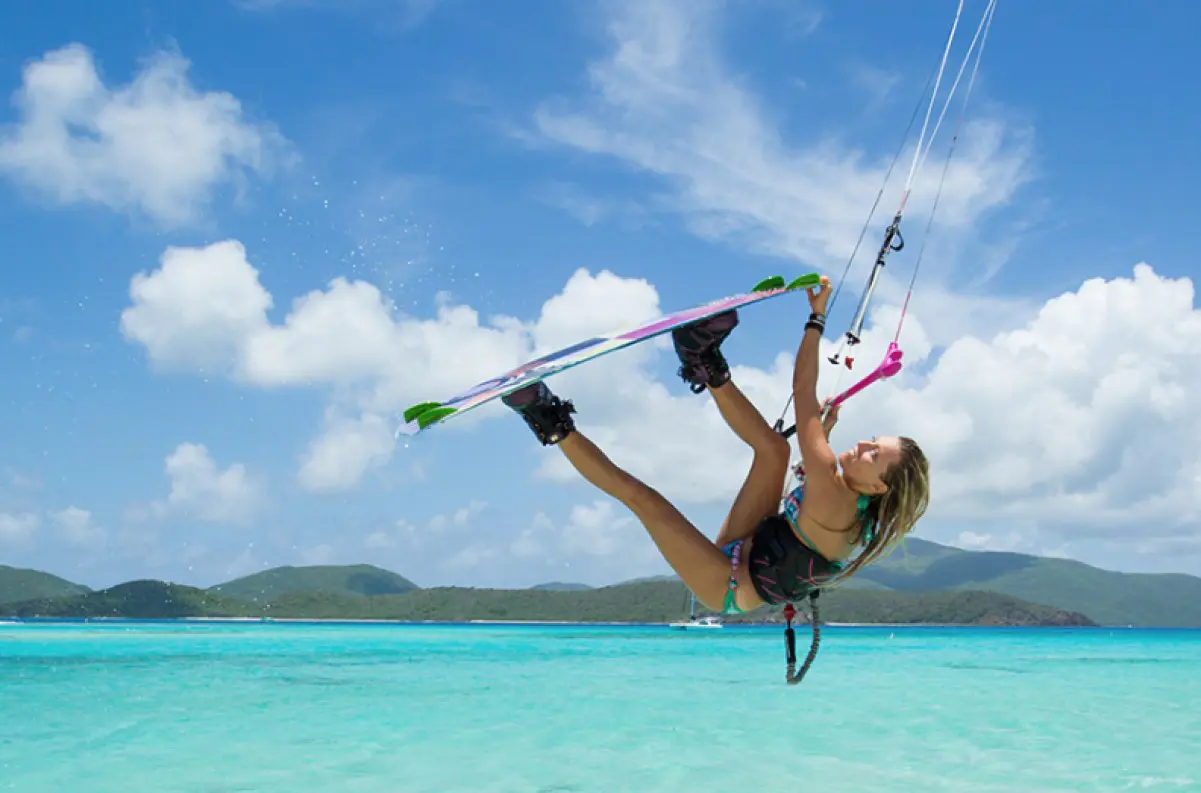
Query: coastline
(524, 623)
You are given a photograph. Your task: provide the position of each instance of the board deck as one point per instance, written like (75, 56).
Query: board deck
(427, 414)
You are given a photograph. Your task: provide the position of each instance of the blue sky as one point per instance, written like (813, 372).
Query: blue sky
(452, 162)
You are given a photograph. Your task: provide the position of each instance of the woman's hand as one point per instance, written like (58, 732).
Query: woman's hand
(819, 296)
(829, 415)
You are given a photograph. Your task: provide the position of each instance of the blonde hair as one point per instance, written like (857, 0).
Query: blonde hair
(893, 513)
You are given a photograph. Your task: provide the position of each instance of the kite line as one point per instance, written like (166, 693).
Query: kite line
(893, 239)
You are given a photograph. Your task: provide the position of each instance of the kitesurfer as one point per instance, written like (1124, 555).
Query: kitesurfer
(867, 497)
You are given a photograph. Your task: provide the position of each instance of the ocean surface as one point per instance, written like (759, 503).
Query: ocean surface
(297, 708)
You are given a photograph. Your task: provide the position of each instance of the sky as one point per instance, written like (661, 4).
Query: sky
(240, 237)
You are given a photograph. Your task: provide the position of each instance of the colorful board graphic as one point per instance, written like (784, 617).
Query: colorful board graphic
(426, 414)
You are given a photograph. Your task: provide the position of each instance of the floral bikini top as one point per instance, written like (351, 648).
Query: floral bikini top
(792, 511)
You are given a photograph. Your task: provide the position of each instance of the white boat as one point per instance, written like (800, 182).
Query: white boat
(693, 623)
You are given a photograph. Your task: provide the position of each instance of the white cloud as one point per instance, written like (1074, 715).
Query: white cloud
(1069, 420)
(532, 541)
(663, 102)
(599, 541)
(407, 533)
(318, 555)
(77, 526)
(347, 448)
(18, 530)
(464, 516)
(975, 541)
(155, 145)
(597, 529)
(1075, 418)
(202, 490)
(1075, 424)
(204, 310)
(197, 310)
(471, 555)
(380, 540)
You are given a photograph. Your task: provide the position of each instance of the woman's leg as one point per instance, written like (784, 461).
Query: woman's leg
(703, 366)
(760, 494)
(701, 565)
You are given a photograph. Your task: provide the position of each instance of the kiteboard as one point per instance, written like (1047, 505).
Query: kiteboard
(427, 414)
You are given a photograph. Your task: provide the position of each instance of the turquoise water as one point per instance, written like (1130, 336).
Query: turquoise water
(208, 708)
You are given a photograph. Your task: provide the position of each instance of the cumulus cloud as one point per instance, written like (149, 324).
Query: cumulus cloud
(1070, 419)
(200, 489)
(598, 528)
(531, 542)
(18, 529)
(1072, 430)
(204, 310)
(1046, 425)
(77, 526)
(595, 542)
(156, 145)
(1072, 427)
(406, 533)
(1081, 410)
(347, 449)
(196, 311)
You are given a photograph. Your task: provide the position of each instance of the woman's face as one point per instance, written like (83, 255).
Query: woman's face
(864, 465)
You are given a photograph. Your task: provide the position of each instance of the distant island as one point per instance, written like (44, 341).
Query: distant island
(922, 583)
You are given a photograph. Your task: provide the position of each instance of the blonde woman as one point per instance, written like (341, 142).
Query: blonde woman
(866, 498)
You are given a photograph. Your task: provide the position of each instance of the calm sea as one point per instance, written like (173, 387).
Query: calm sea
(300, 708)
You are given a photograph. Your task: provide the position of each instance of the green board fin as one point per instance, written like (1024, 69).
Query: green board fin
(806, 281)
(433, 415)
(767, 284)
(777, 282)
(419, 409)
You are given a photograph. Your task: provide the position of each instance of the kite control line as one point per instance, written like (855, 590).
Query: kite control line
(891, 364)
(893, 240)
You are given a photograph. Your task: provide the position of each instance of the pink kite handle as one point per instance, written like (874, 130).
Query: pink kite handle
(887, 368)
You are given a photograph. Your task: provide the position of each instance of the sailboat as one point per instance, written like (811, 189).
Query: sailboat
(692, 624)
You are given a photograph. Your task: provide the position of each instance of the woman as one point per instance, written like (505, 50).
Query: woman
(868, 497)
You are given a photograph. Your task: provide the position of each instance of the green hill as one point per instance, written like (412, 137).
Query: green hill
(1108, 597)
(961, 607)
(134, 600)
(18, 584)
(919, 582)
(359, 580)
(651, 601)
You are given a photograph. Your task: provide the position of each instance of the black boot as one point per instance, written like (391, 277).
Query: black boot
(698, 347)
(547, 415)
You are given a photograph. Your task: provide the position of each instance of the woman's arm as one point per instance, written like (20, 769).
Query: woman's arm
(816, 454)
(811, 432)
